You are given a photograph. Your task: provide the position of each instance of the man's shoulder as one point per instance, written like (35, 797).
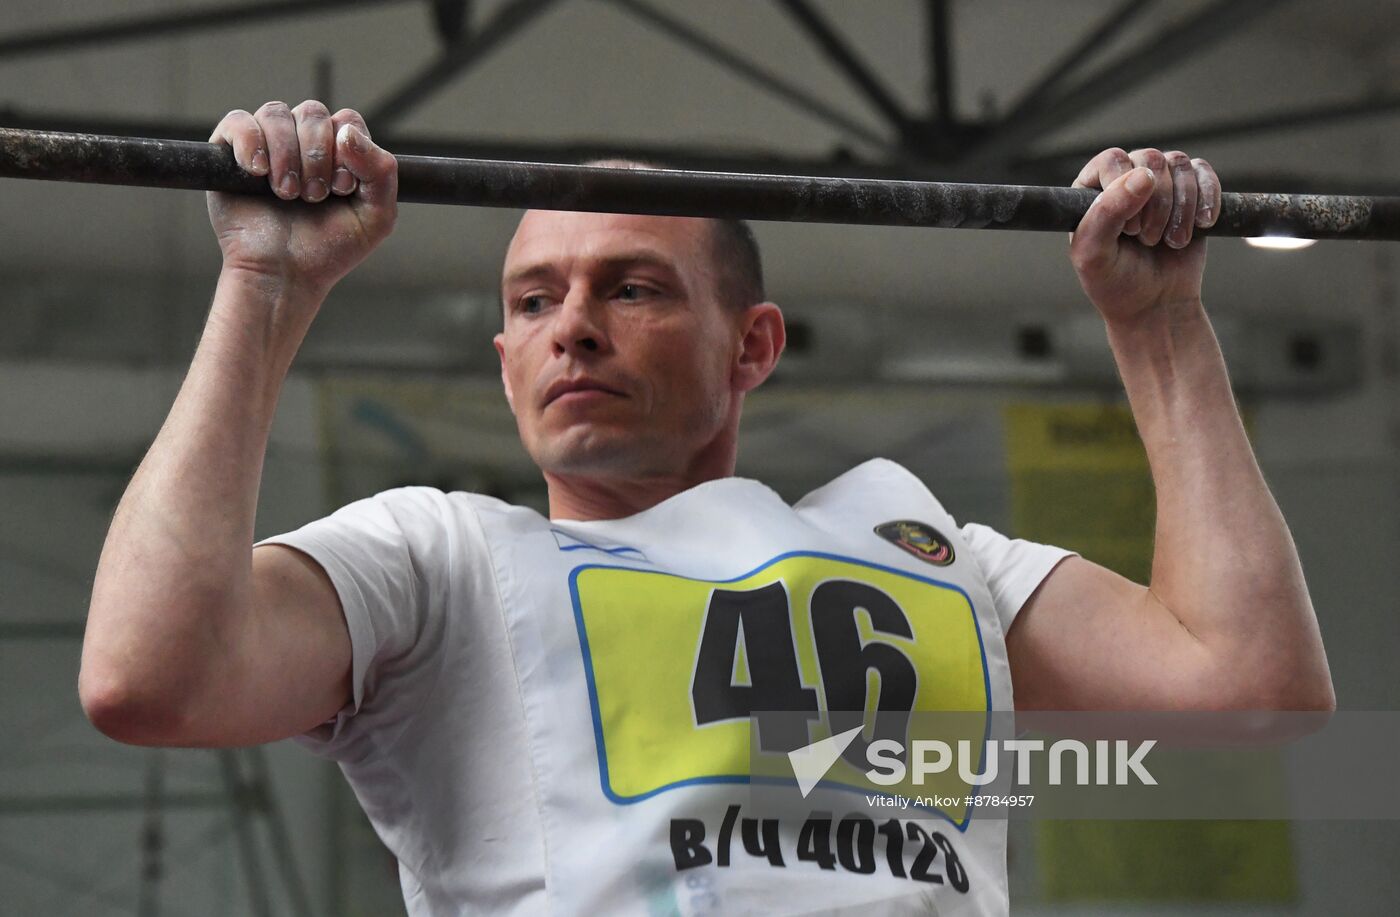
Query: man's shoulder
(430, 497)
(424, 509)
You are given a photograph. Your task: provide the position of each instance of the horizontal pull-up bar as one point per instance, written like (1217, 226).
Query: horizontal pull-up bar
(790, 198)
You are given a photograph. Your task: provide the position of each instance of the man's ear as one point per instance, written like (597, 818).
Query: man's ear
(500, 341)
(764, 337)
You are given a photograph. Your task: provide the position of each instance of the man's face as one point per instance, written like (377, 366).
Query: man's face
(616, 353)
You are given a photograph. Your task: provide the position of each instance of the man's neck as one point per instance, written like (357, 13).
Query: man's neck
(585, 497)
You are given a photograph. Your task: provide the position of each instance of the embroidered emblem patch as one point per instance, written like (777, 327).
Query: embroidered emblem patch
(919, 539)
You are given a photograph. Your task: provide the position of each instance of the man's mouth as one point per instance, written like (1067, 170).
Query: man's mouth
(578, 389)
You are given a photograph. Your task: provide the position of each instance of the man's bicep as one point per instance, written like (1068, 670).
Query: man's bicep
(1090, 639)
(292, 666)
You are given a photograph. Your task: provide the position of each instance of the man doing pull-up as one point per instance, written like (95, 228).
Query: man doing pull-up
(552, 713)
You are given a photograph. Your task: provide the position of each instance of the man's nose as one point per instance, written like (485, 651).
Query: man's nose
(580, 327)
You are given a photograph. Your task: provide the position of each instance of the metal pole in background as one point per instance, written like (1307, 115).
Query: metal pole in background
(240, 806)
(487, 183)
(153, 836)
(277, 832)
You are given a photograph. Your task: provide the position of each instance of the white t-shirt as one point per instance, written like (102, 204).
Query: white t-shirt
(532, 731)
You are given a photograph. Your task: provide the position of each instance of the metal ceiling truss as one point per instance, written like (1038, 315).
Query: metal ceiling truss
(456, 59)
(1169, 47)
(847, 61)
(936, 143)
(162, 25)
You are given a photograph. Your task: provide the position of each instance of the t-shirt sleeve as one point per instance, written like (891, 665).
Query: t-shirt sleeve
(387, 557)
(1013, 567)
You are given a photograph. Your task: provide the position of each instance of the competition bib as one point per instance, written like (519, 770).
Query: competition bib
(651, 649)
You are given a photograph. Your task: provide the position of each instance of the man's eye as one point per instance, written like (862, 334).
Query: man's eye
(531, 304)
(632, 291)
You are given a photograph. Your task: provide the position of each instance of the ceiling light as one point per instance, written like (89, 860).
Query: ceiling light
(1279, 243)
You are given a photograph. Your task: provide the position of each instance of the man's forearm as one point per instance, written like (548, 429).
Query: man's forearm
(175, 572)
(1224, 561)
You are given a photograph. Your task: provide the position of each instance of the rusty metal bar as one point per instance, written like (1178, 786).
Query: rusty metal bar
(1034, 170)
(787, 198)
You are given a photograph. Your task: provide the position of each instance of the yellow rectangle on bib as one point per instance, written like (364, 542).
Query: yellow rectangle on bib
(641, 632)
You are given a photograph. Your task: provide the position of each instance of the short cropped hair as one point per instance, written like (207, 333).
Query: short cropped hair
(734, 250)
